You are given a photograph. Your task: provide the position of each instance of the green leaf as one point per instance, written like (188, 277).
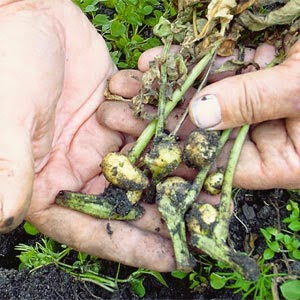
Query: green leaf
(121, 65)
(137, 286)
(151, 43)
(295, 243)
(90, 8)
(266, 234)
(132, 17)
(152, 2)
(137, 38)
(272, 230)
(179, 274)
(117, 28)
(287, 239)
(120, 7)
(291, 290)
(296, 254)
(268, 254)
(194, 284)
(100, 20)
(158, 277)
(133, 2)
(279, 236)
(146, 10)
(30, 229)
(295, 226)
(216, 281)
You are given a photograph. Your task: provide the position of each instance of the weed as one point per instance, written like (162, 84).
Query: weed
(282, 246)
(284, 241)
(86, 267)
(125, 28)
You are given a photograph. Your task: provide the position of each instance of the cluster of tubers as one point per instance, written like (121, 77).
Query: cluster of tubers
(150, 176)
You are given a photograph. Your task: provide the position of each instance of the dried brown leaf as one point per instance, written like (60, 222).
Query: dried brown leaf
(218, 11)
(234, 65)
(282, 16)
(226, 48)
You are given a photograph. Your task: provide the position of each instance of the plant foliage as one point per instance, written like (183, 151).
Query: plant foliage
(124, 25)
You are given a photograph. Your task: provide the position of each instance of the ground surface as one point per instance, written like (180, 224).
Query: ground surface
(253, 210)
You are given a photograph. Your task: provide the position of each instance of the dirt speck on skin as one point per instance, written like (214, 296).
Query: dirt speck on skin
(51, 283)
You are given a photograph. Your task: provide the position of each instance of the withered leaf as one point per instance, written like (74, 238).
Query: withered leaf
(226, 48)
(234, 65)
(282, 16)
(113, 97)
(218, 11)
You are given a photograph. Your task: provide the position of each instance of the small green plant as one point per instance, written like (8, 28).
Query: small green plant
(279, 243)
(125, 28)
(284, 241)
(30, 229)
(86, 267)
(258, 290)
(281, 246)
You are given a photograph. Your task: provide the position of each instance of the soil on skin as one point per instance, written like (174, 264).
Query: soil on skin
(253, 210)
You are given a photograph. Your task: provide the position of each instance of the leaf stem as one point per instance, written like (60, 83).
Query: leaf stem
(222, 227)
(178, 94)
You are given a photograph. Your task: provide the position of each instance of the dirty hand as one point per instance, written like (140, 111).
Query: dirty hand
(268, 98)
(55, 67)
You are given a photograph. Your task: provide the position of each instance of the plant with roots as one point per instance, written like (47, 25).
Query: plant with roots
(136, 176)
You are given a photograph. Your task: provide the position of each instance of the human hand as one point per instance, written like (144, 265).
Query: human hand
(56, 67)
(269, 99)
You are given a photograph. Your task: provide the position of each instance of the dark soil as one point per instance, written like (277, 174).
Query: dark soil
(253, 210)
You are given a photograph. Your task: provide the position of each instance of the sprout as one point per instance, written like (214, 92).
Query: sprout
(170, 198)
(119, 171)
(213, 183)
(200, 148)
(164, 157)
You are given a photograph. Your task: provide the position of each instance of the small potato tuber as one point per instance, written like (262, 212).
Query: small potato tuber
(200, 148)
(119, 171)
(201, 218)
(213, 183)
(164, 157)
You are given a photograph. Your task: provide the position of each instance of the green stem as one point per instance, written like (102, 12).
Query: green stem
(96, 206)
(243, 264)
(178, 94)
(184, 261)
(221, 228)
(199, 179)
(162, 100)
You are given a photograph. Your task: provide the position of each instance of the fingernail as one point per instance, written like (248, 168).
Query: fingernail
(206, 111)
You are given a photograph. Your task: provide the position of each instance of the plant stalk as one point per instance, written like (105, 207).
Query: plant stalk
(178, 94)
(222, 228)
(96, 206)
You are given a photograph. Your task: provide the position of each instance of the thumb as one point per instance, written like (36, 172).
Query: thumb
(250, 98)
(16, 175)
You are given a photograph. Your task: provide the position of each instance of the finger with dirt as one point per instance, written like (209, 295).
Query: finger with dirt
(112, 240)
(254, 97)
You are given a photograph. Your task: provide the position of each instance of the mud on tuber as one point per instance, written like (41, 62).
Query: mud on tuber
(203, 30)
